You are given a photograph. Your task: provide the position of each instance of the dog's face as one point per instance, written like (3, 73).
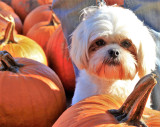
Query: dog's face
(112, 43)
(112, 59)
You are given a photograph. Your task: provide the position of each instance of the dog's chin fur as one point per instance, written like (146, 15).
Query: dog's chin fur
(99, 73)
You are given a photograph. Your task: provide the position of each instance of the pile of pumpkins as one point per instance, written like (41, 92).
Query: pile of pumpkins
(36, 72)
(37, 75)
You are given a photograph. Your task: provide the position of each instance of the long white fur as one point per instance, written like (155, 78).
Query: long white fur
(112, 24)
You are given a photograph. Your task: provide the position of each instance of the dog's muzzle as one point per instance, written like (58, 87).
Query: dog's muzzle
(113, 58)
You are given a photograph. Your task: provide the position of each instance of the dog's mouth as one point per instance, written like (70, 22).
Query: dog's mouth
(112, 61)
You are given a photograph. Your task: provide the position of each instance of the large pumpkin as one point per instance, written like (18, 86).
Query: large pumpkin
(41, 32)
(31, 93)
(39, 14)
(24, 7)
(100, 110)
(59, 60)
(21, 46)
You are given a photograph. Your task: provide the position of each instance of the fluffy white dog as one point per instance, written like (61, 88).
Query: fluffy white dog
(113, 50)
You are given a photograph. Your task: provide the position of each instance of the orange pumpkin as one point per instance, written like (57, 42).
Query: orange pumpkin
(31, 93)
(100, 110)
(6, 7)
(39, 14)
(42, 2)
(21, 46)
(17, 20)
(7, 10)
(42, 31)
(112, 2)
(24, 7)
(59, 60)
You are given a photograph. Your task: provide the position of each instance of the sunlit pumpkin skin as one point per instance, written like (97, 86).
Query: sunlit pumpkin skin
(17, 20)
(25, 47)
(6, 7)
(31, 97)
(24, 7)
(92, 112)
(42, 2)
(59, 60)
(95, 111)
(39, 14)
(41, 32)
(21, 46)
(112, 2)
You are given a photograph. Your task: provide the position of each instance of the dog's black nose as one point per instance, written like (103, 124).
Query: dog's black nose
(113, 53)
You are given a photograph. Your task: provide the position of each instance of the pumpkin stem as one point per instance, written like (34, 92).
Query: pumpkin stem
(54, 20)
(8, 63)
(9, 33)
(132, 109)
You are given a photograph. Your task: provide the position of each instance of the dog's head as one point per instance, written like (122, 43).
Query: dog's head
(111, 42)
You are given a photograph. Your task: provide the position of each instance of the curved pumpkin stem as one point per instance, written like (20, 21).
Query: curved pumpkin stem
(132, 109)
(54, 20)
(9, 33)
(8, 63)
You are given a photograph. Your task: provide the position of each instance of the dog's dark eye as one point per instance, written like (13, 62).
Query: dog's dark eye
(125, 44)
(100, 42)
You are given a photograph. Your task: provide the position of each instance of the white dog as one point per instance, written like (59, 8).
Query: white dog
(113, 50)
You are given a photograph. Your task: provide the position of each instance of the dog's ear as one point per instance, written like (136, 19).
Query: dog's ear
(146, 54)
(79, 47)
(79, 37)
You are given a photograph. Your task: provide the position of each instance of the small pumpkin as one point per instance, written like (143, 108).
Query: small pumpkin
(59, 60)
(6, 7)
(31, 94)
(101, 110)
(41, 32)
(7, 10)
(21, 46)
(39, 14)
(17, 20)
(112, 2)
(24, 7)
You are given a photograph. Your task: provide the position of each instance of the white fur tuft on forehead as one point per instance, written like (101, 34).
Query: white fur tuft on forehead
(100, 11)
(110, 15)
(88, 12)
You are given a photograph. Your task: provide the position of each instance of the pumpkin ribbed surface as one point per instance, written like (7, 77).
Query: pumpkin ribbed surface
(31, 97)
(93, 112)
(59, 60)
